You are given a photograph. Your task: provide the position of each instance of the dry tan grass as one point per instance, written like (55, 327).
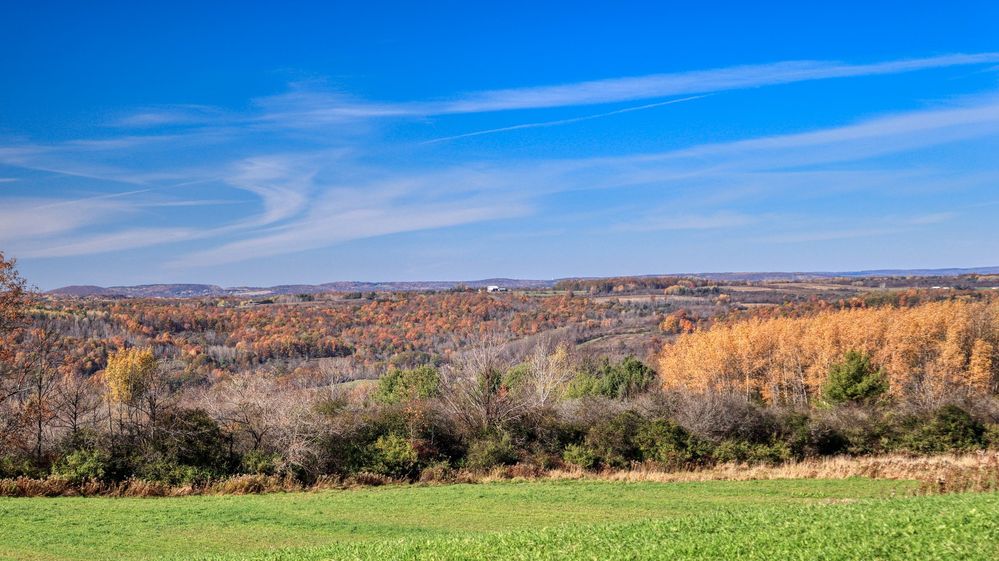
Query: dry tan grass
(946, 473)
(936, 474)
(238, 485)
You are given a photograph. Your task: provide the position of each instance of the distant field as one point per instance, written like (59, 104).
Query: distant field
(804, 519)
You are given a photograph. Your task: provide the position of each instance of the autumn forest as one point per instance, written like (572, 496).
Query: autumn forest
(101, 393)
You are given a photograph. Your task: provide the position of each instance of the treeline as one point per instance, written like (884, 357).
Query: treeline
(678, 285)
(547, 409)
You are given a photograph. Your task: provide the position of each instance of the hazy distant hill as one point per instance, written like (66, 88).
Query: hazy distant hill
(144, 290)
(762, 276)
(202, 290)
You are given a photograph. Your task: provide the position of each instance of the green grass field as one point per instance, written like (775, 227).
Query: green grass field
(800, 519)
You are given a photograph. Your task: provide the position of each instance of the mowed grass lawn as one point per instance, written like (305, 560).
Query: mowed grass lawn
(792, 519)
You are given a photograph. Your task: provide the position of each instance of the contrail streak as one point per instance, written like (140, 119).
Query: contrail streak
(565, 121)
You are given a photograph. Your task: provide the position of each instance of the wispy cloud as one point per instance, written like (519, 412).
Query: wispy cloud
(30, 219)
(687, 83)
(85, 203)
(182, 114)
(315, 199)
(328, 225)
(87, 159)
(409, 200)
(344, 182)
(131, 238)
(873, 137)
(282, 182)
(309, 105)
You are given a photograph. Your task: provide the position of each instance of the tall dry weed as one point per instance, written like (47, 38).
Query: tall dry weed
(976, 472)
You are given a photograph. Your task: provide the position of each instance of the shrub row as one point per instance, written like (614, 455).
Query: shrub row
(408, 440)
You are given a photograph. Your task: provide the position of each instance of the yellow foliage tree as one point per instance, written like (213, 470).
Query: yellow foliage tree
(128, 373)
(982, 366)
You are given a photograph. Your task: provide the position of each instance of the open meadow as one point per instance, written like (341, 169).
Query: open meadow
(791, 519)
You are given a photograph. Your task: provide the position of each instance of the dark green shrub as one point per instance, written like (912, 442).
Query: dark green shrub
(950, 429)
(584, 384)
(546, 431)
(808, 437)
(260, 462)
(613, 440)
(825, 440)
(176, 474)
(16, 466)
(191, 437)
(350, 448)
(514, 377)
(855, 380)
(397, 386)
(667, 443)
(773, 453)
(732, 451)
(625, 379)
(795, 429)
(186, 447)
(737, 451)
(580, 455)
(83, 465)
(394, 456)
(346, 452)
(414, 359)
(991, 436)
(629, 378)
(491, 451)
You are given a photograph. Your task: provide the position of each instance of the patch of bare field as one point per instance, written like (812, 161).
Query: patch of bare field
(822, 286)
(738, 288)
(632, 298)
(683, 300)
(798, 288)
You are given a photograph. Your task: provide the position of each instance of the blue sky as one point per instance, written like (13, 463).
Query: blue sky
(259, 144)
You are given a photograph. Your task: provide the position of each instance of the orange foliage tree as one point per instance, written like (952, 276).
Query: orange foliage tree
(13, 301)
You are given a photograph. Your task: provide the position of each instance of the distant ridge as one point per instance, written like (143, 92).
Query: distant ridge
(762, 276)
(206, 290)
